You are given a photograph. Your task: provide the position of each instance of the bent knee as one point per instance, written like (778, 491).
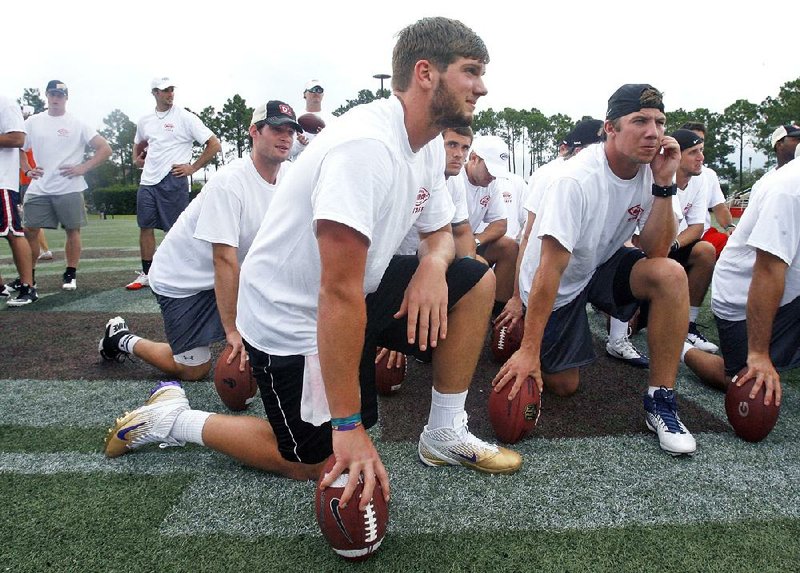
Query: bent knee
(193, 373)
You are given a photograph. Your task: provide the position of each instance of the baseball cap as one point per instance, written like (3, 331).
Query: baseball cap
(789, 130)
(627, 99)
(686, 138)
(494, 151)
(276, 112)
(57, 86)
(161, 83)
(585, 132)
(313, 84)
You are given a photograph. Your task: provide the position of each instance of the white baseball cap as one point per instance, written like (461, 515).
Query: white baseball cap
(784, 131)
(494, 151)
(161, 83)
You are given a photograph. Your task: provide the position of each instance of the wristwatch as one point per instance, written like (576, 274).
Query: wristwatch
(662, 191)
(477, 242)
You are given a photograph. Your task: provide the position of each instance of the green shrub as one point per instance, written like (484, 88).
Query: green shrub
(120, 199)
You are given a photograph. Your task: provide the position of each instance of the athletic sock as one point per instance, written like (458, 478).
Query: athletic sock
(127, 342)
(146, 266)
(651, 390)
(693, 312)
(617, 329)
(188, 426)
(444, 408)
(71, 272)
(686, 348)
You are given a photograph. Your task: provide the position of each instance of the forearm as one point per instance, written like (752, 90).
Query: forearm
(690, 234)
(437, 246)
(341, 321)
(493, 231)
(226, 289)
(101, 154)
(763, 300)
(24, 164)
(212, 147)
(660, 229)
(723, 215)
(541, 298)
(463, 239)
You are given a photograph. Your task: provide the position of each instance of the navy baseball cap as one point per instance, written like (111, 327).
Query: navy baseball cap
(57, 86)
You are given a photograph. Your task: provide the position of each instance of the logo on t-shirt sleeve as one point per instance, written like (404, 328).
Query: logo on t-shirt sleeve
(687, 209)
(485, 200)
(422, 197)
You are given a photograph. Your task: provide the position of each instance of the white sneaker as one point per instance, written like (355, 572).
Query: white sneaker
(661, 416)
(696, 339)
(457, 446)
(46, 256)
(624, 350)
(69, 282)
(141, 281)
(150, 423)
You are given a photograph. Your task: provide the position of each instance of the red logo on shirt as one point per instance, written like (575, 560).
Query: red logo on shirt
(63, 132)
(422, 197)
(686, 209)
(507, 197)
(169, 126)
(635, 212)
(484, 200)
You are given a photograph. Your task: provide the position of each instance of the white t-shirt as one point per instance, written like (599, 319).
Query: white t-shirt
(362, 173)
(512, 190)
(485, 204)
(297, 147)
(539, 181)
(591, 212)
(56, 141)
(692, 201)
(229, 211)
(10, 121)
(455, 185)
(170, 139)
(714, 195)
(771, 223)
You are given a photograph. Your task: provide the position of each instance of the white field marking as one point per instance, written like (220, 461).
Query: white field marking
(564, 484)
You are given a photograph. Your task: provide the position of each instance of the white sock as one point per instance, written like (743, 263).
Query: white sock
(686, 348)
(693, 312)
(188, 426)
(652, 390)
(444, 408)
(617, 329)
(127, 342)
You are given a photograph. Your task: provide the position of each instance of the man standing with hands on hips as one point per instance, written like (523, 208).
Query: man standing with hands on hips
(163, 149)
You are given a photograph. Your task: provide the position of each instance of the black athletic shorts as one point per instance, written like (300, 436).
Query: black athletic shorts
(280, 378)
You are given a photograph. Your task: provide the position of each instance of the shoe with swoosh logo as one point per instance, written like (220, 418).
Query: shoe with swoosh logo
(457, 446)
(150, 423)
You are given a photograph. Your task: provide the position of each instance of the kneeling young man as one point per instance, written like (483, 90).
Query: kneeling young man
(195, 272)
(576, 254)
(321, 287)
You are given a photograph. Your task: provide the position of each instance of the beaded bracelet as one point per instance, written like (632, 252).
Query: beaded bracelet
(346, 424)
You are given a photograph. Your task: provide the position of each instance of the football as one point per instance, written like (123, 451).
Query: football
(751, 419)
(513, 420)
(389, 380)
(506, 341)
(352, 533)
(236, 389)
(311, 123)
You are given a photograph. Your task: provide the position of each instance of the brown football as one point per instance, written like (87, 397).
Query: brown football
(236, 389)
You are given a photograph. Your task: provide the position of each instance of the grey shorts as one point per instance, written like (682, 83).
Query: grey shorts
(567, 340)
(192, 321)
(159, 206)
(784, 348)
(47, 211)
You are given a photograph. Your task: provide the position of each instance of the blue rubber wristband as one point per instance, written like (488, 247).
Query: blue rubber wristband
(345, 424)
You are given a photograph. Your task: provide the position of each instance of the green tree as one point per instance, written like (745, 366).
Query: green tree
(234, 124)
(364, 96)
(211, 120)
(716, 149)
(781, 110)
(487, 122)
(738, 127)
(33, 97)
(119, 133)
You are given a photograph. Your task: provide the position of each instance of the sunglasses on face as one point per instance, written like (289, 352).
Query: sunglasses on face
(168, 90)
(316, 90)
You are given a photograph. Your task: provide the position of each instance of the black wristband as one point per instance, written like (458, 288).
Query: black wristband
(669, 191)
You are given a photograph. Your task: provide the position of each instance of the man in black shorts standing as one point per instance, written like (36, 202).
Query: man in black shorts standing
(163, 149)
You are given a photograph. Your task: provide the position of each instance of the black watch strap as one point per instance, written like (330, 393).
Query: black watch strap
(660, 191)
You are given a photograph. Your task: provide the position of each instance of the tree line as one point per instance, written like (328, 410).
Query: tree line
(532, 136)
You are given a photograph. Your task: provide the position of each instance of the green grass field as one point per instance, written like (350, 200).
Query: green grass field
(611, 501)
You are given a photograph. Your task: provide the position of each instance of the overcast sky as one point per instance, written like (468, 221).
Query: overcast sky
(563, 57)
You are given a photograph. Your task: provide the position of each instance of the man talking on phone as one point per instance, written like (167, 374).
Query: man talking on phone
(576, 254)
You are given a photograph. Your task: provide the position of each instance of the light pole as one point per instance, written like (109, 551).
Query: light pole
(381, 77)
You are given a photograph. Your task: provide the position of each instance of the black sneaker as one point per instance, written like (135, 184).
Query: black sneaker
(27, 295)
(109, 344)
(16, 284)
(5, 292)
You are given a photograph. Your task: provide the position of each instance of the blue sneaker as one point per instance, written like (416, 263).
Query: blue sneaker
(661, 415)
